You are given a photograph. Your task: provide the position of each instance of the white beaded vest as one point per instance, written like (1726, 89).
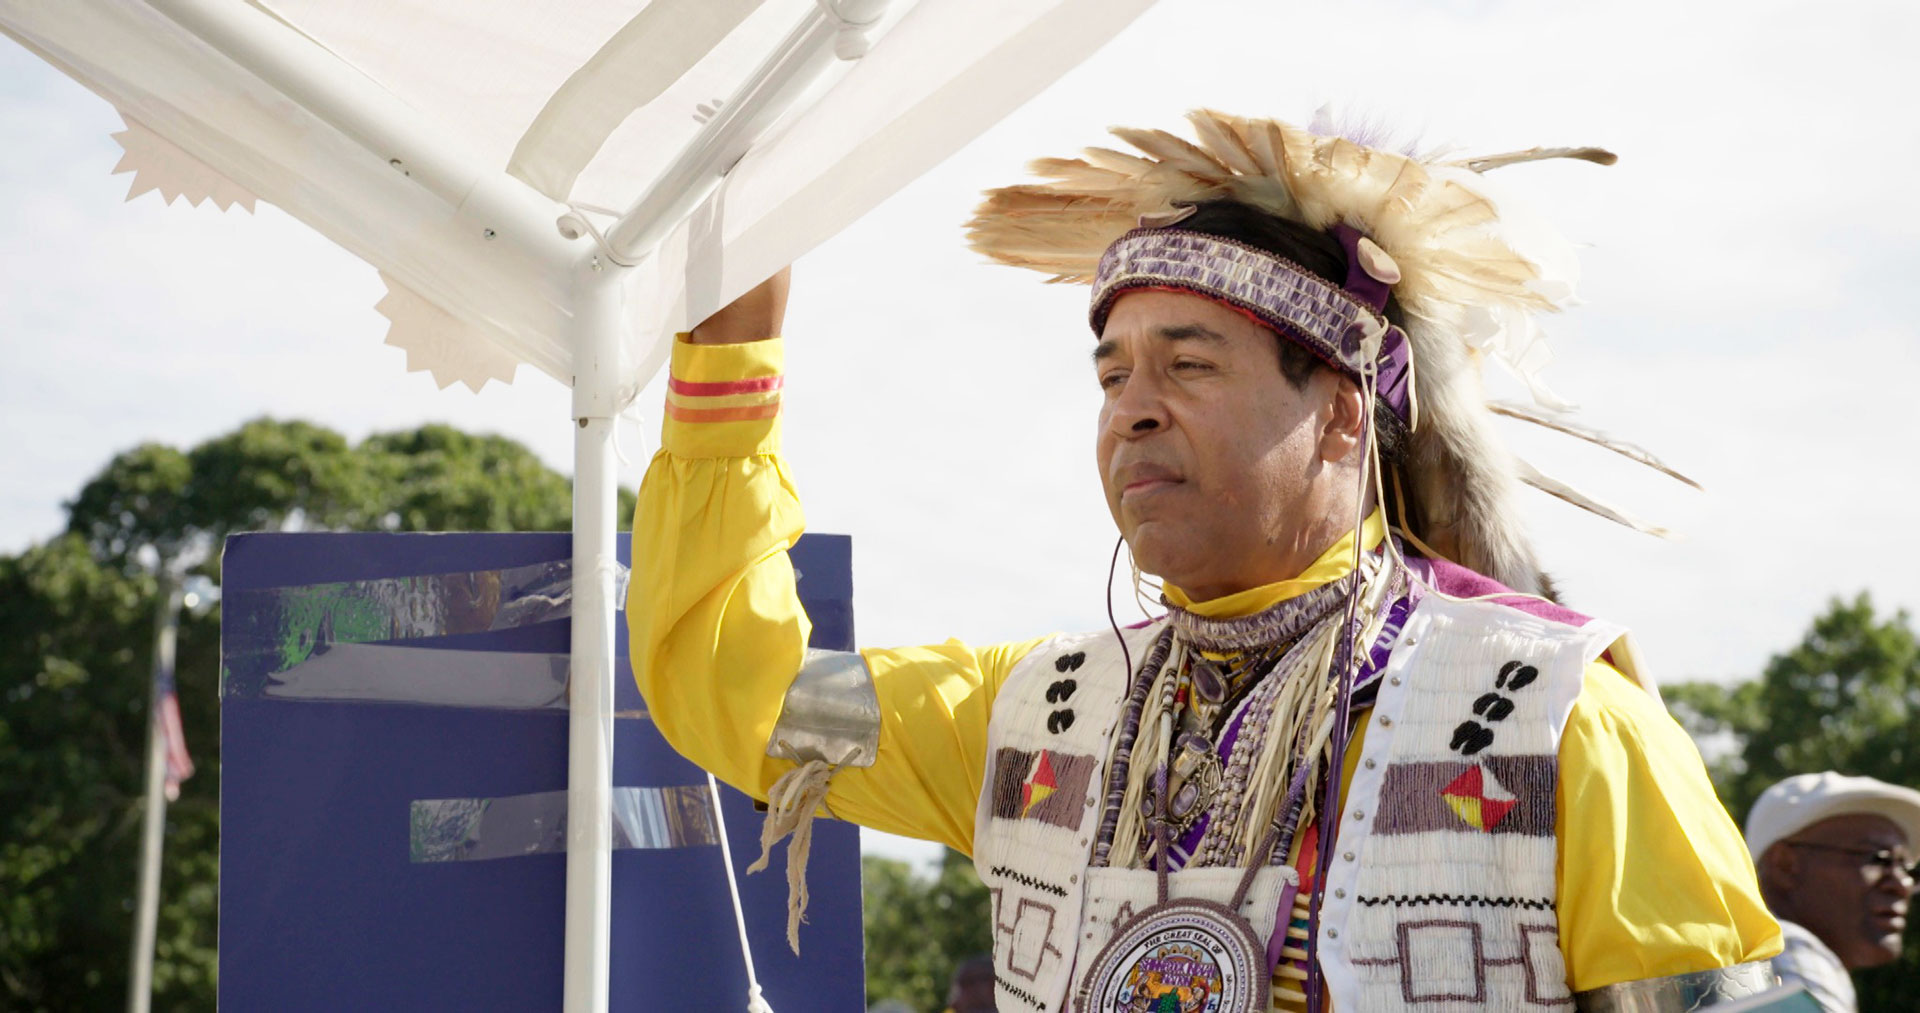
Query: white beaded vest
(1440, 892)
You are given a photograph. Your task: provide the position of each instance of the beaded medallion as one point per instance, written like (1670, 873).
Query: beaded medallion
(1181, 956)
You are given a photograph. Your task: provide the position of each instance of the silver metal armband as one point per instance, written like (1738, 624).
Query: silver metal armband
(1679, 993)
(831, 713)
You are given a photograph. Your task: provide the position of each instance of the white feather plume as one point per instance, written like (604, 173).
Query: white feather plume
(1476, 274)
(1561, 490)
(1562, 424)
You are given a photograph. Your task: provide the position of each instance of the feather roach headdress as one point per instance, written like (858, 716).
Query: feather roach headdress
(1470, 283)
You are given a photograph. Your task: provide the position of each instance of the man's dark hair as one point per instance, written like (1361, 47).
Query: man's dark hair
(1320, 254)
(976, 968)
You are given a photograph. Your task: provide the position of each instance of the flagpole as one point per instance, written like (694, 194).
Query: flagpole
(147, 913)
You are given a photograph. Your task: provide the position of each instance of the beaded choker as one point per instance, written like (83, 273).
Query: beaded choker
(1283, 622)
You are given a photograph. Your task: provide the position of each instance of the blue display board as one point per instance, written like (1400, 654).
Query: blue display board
(394, 752)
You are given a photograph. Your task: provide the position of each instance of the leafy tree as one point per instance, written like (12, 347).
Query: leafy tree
(449, 480)
(1846, 698)
(265, 472)
(72, 752)
(139, 499)
(919, 928)
(78, 623)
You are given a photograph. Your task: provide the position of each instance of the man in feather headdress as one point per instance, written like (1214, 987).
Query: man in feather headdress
(1363, 762)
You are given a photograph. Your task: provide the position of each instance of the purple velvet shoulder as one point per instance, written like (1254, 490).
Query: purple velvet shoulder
(1453, 579)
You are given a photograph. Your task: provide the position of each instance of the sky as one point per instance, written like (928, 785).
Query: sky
(1744, 268)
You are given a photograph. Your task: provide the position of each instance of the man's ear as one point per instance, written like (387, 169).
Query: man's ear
(1779, 869)
(1346, 414)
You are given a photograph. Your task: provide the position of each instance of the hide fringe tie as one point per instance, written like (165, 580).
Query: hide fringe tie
(792, 803)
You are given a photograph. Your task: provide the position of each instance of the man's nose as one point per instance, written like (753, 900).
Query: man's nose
(1895, 880)
(1137, 410)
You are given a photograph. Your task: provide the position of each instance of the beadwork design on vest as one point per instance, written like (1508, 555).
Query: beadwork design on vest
(1474, 761)
(1047, 920)
(1062, 719)
(1041, 785)
(1032, 930)
(1470, 736)
(1457, 943)
(1496, 795)
(1041, 792)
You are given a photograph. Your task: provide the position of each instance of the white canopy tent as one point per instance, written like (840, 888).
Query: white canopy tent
(564, 185)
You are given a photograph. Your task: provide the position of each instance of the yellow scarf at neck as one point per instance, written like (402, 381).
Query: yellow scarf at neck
(1332, 565)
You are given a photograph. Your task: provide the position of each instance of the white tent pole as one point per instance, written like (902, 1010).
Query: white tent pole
(390, 129)
(814, 44)
(599, 329)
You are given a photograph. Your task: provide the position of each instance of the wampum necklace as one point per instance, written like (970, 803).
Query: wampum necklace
(1284, 667)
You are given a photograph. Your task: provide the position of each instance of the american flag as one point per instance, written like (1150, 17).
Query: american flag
(174, 737)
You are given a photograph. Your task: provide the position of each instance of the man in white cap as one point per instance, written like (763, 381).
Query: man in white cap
(1835, 856)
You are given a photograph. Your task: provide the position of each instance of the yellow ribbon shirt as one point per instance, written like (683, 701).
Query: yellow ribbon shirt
(1654, 878)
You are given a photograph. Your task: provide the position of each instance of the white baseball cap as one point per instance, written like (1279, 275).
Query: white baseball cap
(1802, 800)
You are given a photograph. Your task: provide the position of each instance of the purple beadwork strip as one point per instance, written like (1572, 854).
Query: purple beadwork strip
(1285, 296)
(1123, 748)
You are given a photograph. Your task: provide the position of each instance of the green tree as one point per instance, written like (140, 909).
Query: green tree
(439, 478)
(919, 927)
(1845, 698)
(78, 623)
(72, 748)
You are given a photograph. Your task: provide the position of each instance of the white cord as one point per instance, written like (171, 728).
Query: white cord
(1144, 591)
(629, 412)
(756, 1003)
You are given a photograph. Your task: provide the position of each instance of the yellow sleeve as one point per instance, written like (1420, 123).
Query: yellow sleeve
(717, 633)
(934, 706)
(1654, 877)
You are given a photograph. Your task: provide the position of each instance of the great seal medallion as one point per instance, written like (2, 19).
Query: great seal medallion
(1181, 956)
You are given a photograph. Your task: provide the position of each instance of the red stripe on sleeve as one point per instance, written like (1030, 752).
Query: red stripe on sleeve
(757, 385)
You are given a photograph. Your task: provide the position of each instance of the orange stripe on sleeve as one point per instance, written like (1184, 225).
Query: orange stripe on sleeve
(742, 414)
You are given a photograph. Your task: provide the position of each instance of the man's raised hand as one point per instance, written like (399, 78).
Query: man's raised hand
(755, 316)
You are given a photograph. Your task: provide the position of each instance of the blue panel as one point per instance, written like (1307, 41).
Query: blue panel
(322, 908)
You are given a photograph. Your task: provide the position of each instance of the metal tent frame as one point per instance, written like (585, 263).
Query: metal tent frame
(509, 211)
(511, 263)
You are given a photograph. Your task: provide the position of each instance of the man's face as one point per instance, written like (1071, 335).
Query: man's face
(1856, 907)
(1214, 464)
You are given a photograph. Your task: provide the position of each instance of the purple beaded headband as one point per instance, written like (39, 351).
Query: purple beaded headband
(1330, 322)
